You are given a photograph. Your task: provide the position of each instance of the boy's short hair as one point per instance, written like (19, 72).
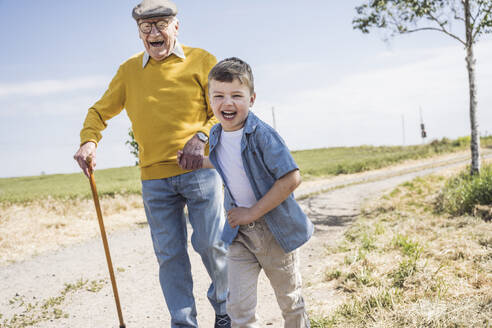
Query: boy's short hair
(233, 68)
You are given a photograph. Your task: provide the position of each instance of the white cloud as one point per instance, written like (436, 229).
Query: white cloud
(45, 87)
(366, 107)
(60, 106)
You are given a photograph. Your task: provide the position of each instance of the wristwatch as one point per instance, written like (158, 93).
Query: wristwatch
(202, 136)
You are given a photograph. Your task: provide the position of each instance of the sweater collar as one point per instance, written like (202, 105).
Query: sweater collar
(178, 51)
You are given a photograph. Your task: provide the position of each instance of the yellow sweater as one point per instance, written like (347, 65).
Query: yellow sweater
(167, 103)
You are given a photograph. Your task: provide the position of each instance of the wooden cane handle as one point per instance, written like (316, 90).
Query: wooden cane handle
(88, 160)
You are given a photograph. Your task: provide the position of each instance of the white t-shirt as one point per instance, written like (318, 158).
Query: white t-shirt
(230, 161)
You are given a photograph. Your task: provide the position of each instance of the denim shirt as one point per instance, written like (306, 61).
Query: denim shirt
(266, 159)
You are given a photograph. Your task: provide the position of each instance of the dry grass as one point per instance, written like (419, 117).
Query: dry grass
(404, 265)
(40, 226)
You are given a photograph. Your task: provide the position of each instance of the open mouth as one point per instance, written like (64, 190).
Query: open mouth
(228, 115)
(156, 44)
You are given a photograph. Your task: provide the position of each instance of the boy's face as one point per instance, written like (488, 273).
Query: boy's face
(230, 102)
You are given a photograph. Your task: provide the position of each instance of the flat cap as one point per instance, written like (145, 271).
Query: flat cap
(154, 8)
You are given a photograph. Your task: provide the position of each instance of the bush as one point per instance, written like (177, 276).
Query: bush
(446, 145)
(462, 192)
(462, 141)
(486, 141)
(133, 145)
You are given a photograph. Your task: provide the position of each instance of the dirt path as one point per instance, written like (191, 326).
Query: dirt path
(70, 288)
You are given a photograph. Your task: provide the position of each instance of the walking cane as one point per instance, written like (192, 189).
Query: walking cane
(105, 241)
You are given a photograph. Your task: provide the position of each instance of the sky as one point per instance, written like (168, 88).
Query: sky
(328, 84)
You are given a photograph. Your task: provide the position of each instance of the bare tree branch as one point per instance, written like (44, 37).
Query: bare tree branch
(458, 18)
(436, 29)
(456, 14)
(478, 9)
(476, 16)
(475, 32)
(441, 24)
(442, 29)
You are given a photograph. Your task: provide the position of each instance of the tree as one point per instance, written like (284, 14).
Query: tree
(133, 145)
(409, 16)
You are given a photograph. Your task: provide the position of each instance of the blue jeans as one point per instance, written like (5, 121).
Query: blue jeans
(164, 201)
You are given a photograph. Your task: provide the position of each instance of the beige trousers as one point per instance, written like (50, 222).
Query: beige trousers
(254, 249)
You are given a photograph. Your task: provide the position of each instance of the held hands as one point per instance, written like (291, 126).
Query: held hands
(240, 216)
(207, 164)
(86, 150)
(191, 157)
(180, 156)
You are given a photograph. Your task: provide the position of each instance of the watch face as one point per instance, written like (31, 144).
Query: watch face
(202, 136)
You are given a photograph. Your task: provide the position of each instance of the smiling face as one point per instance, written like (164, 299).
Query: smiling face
(159, 43)
(230, 102)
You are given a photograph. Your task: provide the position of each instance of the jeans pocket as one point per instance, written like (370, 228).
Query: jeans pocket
(201, 184)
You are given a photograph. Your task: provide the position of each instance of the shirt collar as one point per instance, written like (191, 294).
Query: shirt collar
(178, 51)
(251, 123)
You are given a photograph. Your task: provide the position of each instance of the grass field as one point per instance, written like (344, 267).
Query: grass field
(123, 180)
(313, 163)
(404, 264)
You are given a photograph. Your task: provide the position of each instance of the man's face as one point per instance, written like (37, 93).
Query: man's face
(230, 102)
(161, 37)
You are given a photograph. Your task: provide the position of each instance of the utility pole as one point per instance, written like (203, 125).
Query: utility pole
(403, 128)
(274, 121)
(423, 133)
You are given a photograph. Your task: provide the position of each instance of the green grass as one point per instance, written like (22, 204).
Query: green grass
(124, 180)
(342, 160)
(30, 312)
(319, 322)
(313, 163)
(462, 192)
(407, 246)
(406, 268)
(358, 311)
(486, 142)
(332, 274)
(404, 265)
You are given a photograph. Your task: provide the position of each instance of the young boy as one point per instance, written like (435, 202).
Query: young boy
(265, 225)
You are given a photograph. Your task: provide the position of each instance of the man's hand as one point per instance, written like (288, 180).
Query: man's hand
(192, 156)
(178, 157)
(86, 150)
(240, 216)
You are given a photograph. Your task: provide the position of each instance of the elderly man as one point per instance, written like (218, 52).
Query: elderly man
(164, 91)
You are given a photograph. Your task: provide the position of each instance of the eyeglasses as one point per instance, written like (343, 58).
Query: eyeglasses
(146, 27)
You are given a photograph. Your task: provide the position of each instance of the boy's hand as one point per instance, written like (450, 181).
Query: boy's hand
(240, 216)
